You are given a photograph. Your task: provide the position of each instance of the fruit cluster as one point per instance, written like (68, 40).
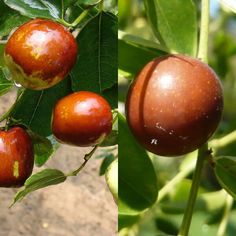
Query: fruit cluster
(40, 54)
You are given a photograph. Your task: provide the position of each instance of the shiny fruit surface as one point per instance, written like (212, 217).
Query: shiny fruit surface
(40, 53)
(174, 105)
(82, 119)
(16, 157)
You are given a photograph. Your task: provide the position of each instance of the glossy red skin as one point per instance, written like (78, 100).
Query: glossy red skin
(15, 146)
(82, 119)
(44, 47)
(174, 105)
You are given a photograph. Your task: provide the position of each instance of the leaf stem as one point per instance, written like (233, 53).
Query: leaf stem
(215, 144)
(202, 153)
(8, 113)
(223, 224)
(86, 159)
(177, 179)
(101, 5)
(62, 9)
(224, 141)
(203, 41)
(80, 18)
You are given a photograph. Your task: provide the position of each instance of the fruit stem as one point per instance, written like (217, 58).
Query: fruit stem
(224, 141)
(101, 5)
(115, 116)
(202, 153)
(87, 157)
(223, 224)
(62, 9)
(80, 17)
(8, 113)
(65, 23)
(204, 31)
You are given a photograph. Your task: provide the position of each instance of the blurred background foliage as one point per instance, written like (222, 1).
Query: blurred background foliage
(165, 217)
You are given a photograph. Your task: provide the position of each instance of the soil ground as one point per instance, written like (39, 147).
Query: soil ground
(82, 206)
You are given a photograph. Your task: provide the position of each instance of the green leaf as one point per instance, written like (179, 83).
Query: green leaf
(88, 2)
(111, 95)
(73, 11)
(166, 225)
(96, 67)
(34, 108)
(36, 8)
(228, 5)
(132, 57)
(2, 63)
(127, 221)
(141, 42)
(137, 178)
(111, 139)
(40, 180)
(5, 85)
(68, 3)
(43, 148)
(174, 23)
(108, 159)
(112, 179)
(9, 19)
(225, 170)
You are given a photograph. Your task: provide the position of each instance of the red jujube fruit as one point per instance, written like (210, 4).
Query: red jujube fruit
(174, 105)
(16, 157)
(40, 53)
(82, 119)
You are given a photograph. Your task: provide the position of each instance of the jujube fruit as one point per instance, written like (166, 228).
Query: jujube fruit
(16, 157)
(40, 53)
(174, 105)
(82, 119)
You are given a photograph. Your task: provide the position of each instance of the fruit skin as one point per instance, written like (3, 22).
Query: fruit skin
(40, 53)
(82, 119)
(16, 157)
(174, 105)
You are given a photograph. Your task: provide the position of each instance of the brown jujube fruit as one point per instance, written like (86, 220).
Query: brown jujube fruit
(174, 105)
(82, 119)
(16, 157)
(40, 53)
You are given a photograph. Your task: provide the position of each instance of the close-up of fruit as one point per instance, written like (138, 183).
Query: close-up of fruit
(82, 119)
(174, 105)
(40, 53)
(16, 157)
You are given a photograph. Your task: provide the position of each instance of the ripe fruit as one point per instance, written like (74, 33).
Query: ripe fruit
(40, 54)
(82, 119)
(16, 157)
(174, 105)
